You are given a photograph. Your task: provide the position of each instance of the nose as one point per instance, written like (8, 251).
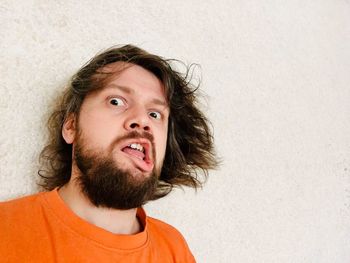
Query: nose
(137, 119)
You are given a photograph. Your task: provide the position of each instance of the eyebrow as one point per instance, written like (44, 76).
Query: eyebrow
(123, 88)
(129, 91)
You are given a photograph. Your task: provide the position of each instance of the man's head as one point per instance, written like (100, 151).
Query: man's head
(127, 122)
(119, 137)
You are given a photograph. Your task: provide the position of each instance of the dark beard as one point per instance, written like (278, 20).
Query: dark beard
(106, 185)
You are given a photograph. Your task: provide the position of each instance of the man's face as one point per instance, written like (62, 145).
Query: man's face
(125, 124)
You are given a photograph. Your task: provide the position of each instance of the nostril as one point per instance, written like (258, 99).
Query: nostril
(133, 125)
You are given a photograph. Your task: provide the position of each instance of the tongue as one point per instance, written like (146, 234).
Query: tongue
(135, 153)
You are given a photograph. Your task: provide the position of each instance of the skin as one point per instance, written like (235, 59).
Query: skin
(133, 100)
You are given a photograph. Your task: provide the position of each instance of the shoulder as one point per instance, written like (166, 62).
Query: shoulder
(22, 200)
(168, 238)
(22, 205)
(162, 228)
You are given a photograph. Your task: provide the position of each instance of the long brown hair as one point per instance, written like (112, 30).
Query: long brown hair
(189, 148)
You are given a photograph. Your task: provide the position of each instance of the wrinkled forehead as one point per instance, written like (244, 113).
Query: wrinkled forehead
(129, 77)
(112, 71)
(114, 67)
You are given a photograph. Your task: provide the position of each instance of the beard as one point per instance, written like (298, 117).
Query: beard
(106, 184)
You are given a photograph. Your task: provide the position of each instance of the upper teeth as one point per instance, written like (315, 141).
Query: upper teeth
(136, 146)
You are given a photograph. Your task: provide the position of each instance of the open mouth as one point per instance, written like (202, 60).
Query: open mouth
(139, 153)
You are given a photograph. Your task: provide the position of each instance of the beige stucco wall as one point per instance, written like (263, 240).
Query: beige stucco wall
(276, 75)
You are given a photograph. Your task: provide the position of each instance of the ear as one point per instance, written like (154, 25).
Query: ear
(69, 129)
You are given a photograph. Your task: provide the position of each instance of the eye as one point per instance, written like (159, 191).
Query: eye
(155, 115)
(117, 102)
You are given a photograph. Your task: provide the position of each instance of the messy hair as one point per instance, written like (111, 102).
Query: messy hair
(190, 149)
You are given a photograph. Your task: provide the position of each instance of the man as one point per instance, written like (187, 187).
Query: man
(126, 131)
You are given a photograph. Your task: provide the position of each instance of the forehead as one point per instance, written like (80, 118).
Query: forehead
(131, 78)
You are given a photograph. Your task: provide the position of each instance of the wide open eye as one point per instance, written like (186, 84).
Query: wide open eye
(155, 115)
(117, 102)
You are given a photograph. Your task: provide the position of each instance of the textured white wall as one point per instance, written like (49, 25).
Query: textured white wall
(277, 78)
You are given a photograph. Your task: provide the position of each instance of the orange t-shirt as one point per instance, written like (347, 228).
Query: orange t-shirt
(41, 228)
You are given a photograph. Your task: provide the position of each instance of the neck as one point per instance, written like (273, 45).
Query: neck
(113, 220)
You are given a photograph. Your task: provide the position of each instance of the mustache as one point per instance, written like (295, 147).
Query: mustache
(136, 135)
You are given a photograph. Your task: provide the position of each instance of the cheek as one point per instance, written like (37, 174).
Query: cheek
(162, 143)
(97, 132)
